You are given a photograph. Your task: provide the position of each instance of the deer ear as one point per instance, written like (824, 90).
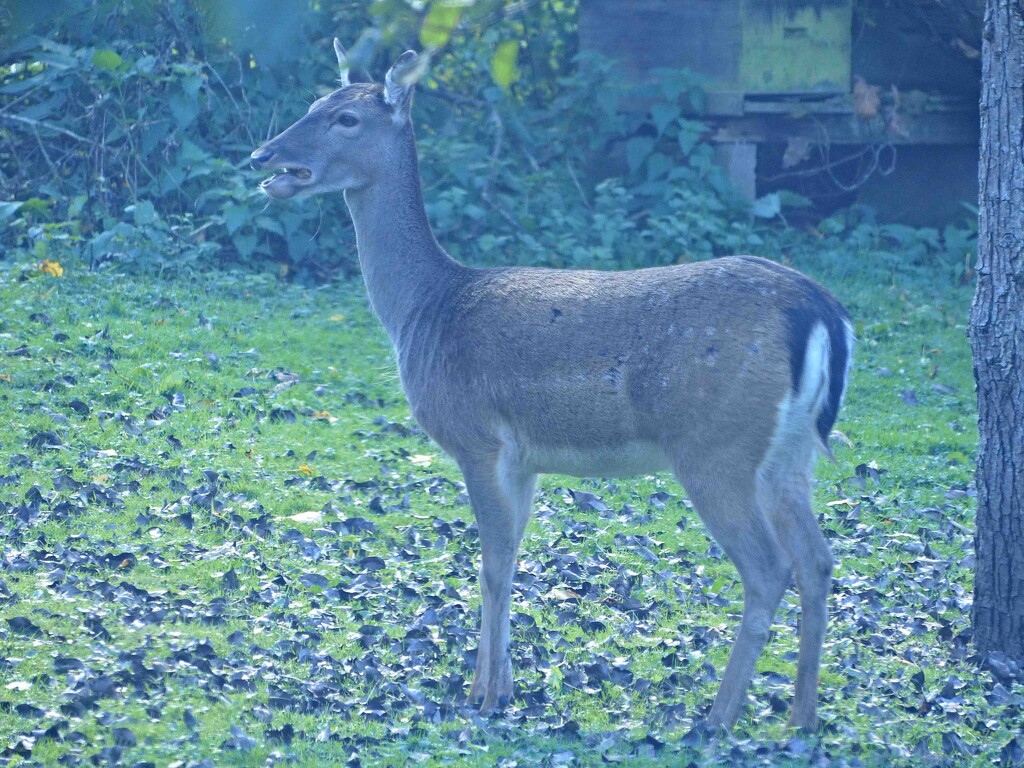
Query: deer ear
(400, 80)
(339, 51)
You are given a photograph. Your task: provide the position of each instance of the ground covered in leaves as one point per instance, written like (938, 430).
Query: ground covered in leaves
(224, 542)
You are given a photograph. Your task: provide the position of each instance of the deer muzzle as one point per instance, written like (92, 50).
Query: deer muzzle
(288, 179)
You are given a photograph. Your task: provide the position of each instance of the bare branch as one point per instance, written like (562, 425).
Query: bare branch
(42, 148)
(576, 182)
(49, 126)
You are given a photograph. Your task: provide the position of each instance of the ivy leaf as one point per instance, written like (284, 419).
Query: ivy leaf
(659, 165)
(144, 213)
(244, 244)
(191, 84)
(698, 100)
(767, 207)
(637, 150)
(504, 71)
(689, 135)
(8, 209)
(663, 113)
(184, 110)
(234, 217)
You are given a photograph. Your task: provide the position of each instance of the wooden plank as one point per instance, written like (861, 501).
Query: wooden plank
(910, 103)
(940, 128)
(642, 35)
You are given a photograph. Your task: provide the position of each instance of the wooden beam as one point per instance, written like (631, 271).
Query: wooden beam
(943, 128)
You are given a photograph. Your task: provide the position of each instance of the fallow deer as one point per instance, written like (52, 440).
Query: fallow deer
(728, 372)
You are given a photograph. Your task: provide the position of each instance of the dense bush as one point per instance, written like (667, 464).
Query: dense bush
(125, 130)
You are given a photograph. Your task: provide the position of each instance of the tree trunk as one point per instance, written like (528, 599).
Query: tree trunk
(997, 336)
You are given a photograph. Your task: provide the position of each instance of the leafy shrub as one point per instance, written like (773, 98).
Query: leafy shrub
(126, 130)
(140, 145)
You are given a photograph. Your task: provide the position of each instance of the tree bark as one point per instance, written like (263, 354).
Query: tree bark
(997, 336)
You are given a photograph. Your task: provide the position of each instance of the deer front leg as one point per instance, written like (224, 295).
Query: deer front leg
(501, 496)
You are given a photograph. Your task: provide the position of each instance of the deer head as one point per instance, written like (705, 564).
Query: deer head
(348, 138)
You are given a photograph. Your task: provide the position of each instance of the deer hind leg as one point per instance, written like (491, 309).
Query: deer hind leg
(797, 529)
(725, 496)
(501, 497)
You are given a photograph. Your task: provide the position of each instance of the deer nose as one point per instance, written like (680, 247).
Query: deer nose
(260, 158)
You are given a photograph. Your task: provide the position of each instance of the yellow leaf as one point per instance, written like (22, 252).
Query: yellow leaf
(107, 59)
(5, 377)
(306, 470)
(440, 22)
(52, 268)
(561, 595)
(503, 64)
(337, 318)
(421, 460)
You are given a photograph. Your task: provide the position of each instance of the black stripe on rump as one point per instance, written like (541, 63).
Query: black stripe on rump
(808, 304)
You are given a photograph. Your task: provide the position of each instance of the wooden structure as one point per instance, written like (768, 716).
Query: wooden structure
(794, 83)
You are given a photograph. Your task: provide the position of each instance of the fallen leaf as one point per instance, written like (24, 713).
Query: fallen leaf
(312, 517)
(866, 100)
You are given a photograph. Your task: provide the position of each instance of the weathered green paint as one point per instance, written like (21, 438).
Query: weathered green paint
(739, 46)
(800, 49)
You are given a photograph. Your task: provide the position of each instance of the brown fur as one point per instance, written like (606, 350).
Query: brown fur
(521, 371)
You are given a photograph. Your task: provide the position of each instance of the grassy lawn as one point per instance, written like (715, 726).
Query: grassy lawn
(225, 542)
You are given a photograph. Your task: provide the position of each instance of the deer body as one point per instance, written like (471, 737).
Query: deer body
(593, 373)
(729, 373)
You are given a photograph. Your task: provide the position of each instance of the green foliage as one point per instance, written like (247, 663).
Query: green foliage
(126, 130)
(139, 143)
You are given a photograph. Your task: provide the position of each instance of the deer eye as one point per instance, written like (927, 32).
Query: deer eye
(347, 119)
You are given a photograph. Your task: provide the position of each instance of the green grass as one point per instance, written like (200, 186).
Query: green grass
(197, 416)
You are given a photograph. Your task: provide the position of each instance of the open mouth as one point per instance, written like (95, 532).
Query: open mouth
(287, 181)
(302, 174)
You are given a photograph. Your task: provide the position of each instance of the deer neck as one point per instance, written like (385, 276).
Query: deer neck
(402, 263)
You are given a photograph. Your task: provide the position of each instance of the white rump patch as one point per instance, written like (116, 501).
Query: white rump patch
(796, 443)
(850, 340)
